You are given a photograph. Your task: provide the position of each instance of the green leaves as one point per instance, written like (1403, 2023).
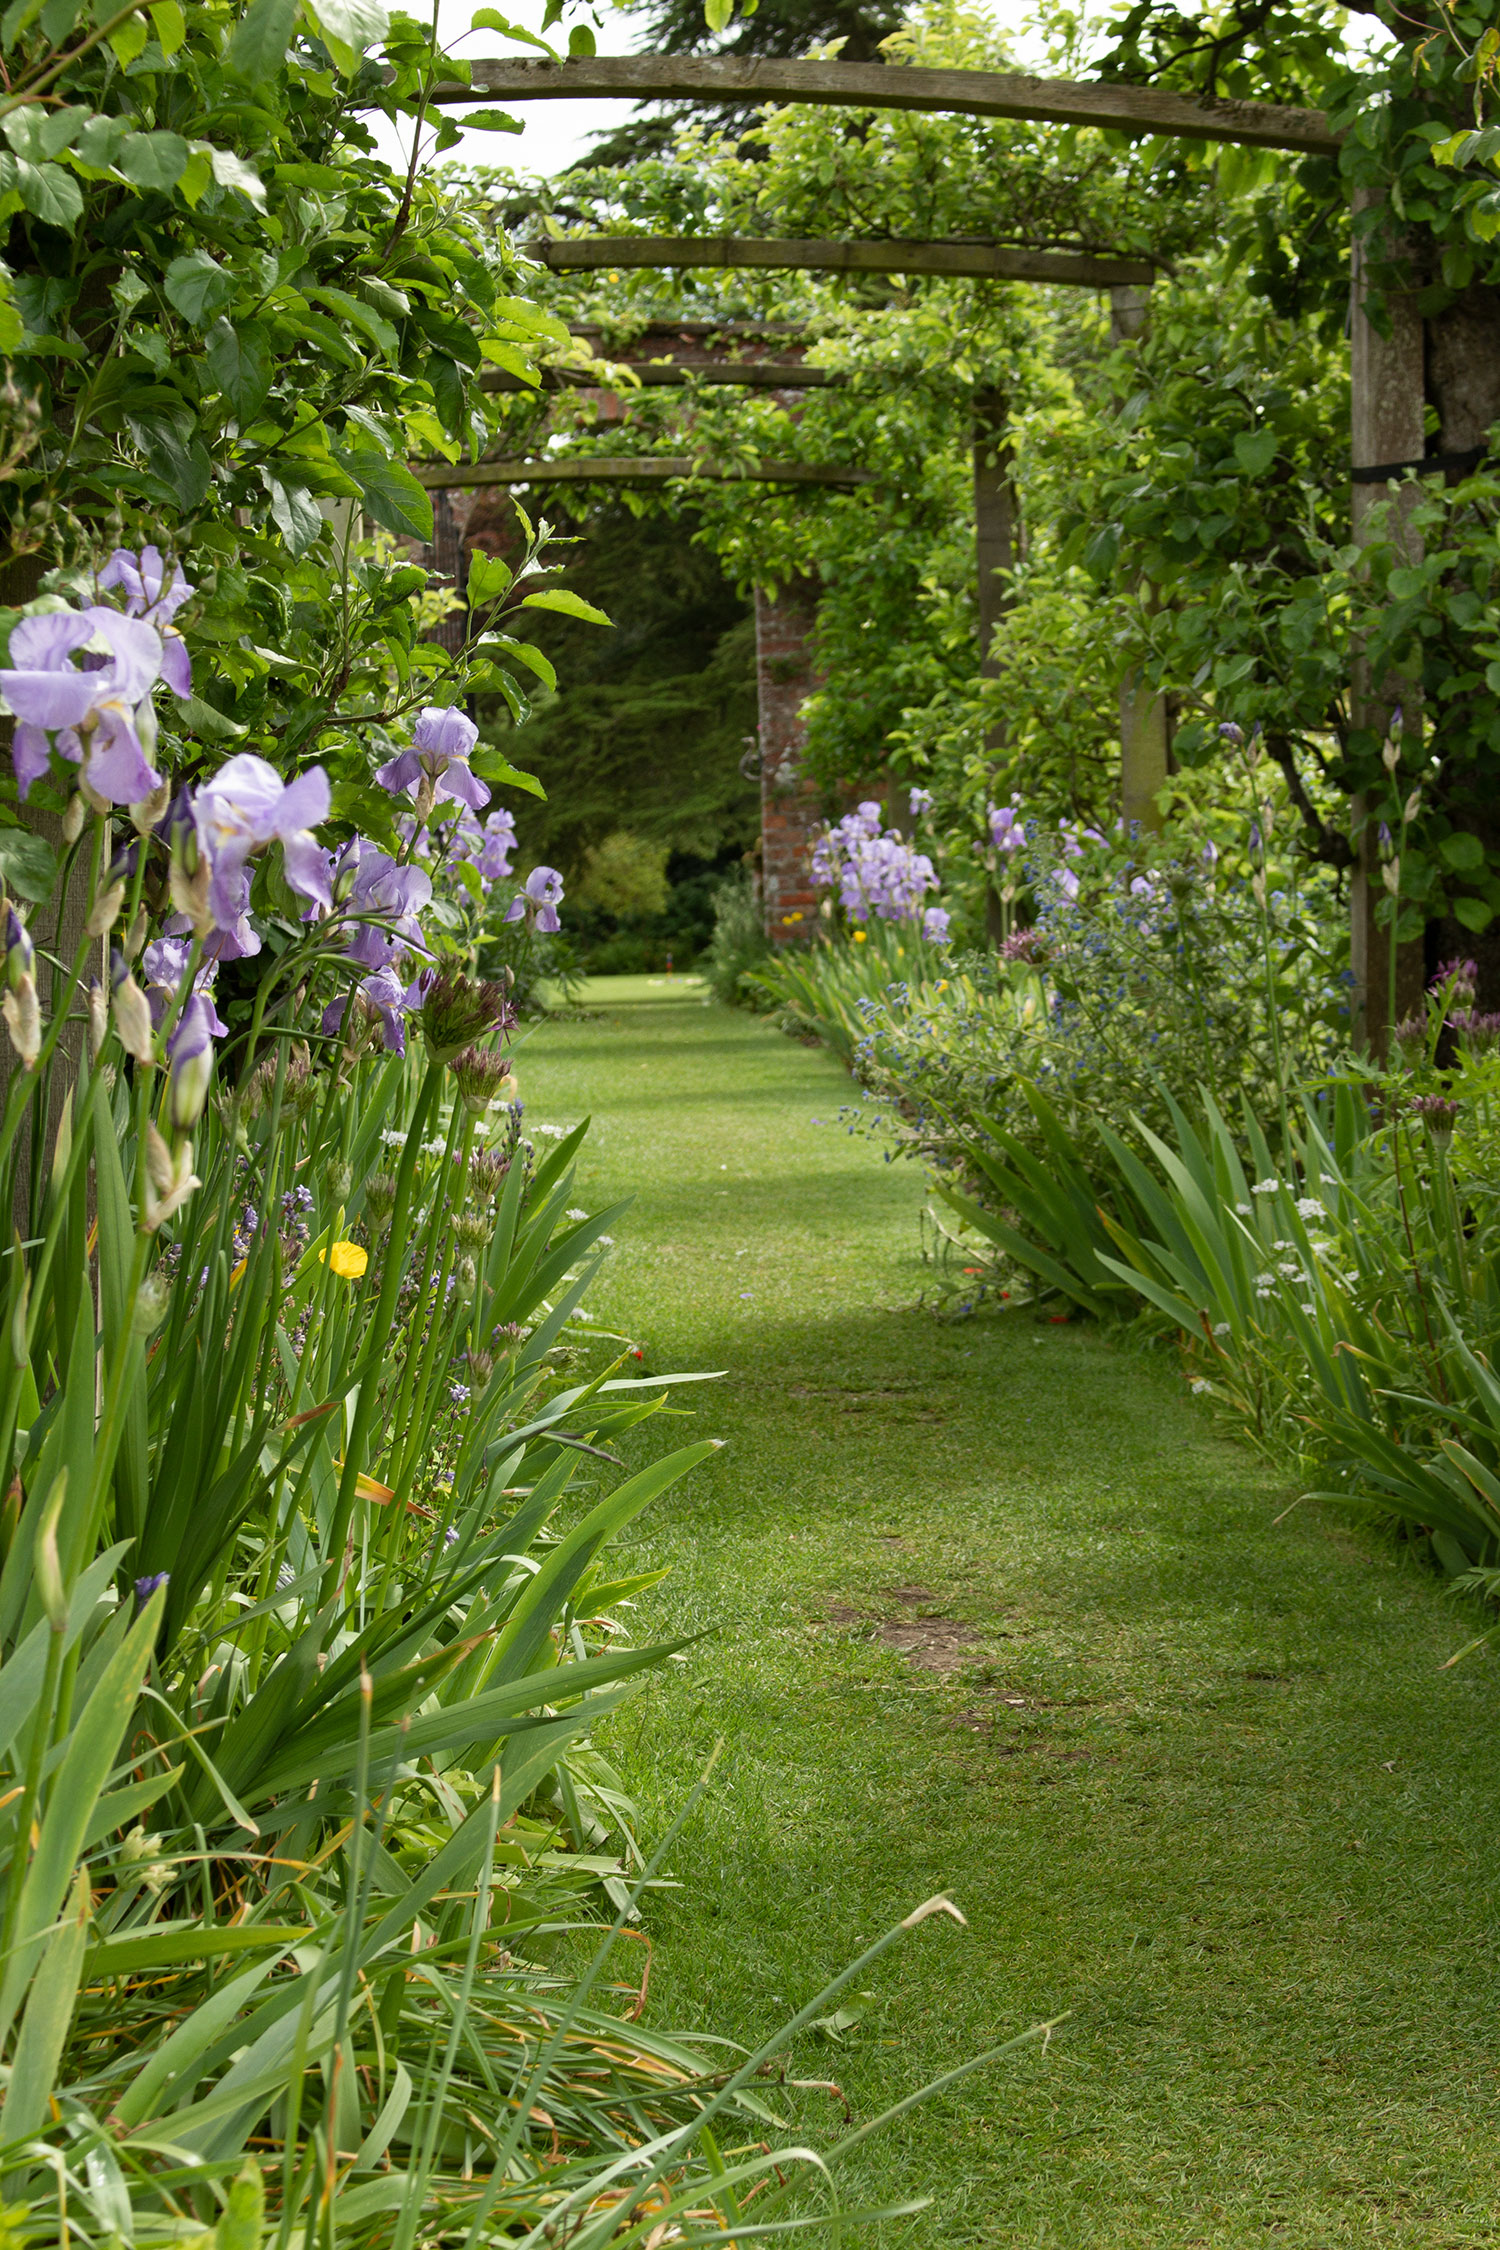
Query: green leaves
(1255, 450)
(261, 38)
(155, 161)
(239, 357)
(295, 514)
(566, 604)
(389, 493)
(28, 865)
(198, 287)
(349, 27)
(48, 191)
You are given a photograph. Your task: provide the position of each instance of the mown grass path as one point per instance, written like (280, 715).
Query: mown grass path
(1198, 1779)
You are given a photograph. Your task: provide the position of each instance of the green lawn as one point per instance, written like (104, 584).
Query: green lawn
(1198, 1781)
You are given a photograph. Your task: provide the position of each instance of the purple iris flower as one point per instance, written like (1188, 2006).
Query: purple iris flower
(190, 1060)
(94, 710)
(541, 897)
(383, 901)
(1006, 831)
(876, 871)
(919, 802)
(442, 740)
(242, 809)
(149, 593)
(492, 862)
(1066, 881)
(146, 1587)
(388, 998)
(935, 923)
(165, 963)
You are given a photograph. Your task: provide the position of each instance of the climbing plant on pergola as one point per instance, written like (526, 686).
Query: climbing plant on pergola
(1392, 353)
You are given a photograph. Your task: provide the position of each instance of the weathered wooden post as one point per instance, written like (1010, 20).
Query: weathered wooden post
(451, 510)
(1387, 391)
(994, 526)
(790, 804)
(1145, 724)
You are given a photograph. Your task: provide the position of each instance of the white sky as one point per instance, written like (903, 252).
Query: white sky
(557, 133)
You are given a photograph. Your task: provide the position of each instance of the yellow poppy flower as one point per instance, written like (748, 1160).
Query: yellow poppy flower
(347, 1260)
(859, 937)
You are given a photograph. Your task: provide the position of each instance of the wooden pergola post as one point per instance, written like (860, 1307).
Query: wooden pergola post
(791, 806)
(994, 525)
(445, 557)
(1387, 391)
(1145, 724)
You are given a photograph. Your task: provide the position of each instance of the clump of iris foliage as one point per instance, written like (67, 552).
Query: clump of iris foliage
(1141, 1104)
(312, 1868)
(307, 1613)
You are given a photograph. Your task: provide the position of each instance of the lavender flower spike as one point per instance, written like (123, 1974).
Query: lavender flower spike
(541, 898)
(438, 763)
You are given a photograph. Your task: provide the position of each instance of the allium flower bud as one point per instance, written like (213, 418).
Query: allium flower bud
(380, 1196)
(457, 1011)
(471, 1231)
(468, 1277)
(487, 1169)
(1457, 981)
(1439, 1115)
(1411, 1037)
(339, 1180)
(481, 1073)
(1478, 1032)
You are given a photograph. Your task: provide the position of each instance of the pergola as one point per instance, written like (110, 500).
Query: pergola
(1388, 369)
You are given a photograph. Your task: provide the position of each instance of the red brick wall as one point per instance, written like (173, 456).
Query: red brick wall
(791, 807)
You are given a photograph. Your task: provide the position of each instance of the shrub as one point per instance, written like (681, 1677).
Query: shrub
(739, 946)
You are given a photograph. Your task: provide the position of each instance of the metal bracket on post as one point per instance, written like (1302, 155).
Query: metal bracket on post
(1387, 397)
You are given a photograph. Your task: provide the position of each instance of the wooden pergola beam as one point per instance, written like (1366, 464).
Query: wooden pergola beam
(750, 374)
(967, 93)
(625, 468)
(992, 261)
